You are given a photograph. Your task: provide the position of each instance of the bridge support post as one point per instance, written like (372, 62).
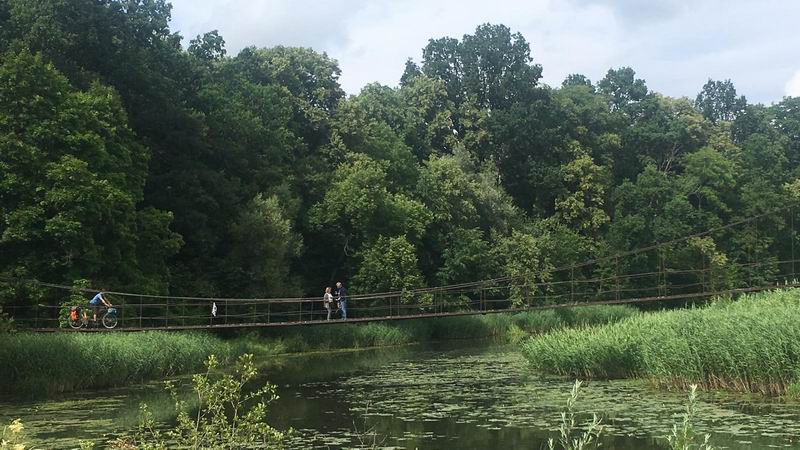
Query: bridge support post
(616, 276)
(663, 270)
(572, 285)
(791, 235)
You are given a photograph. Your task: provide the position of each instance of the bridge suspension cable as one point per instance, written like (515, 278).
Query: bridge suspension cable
(565, 286)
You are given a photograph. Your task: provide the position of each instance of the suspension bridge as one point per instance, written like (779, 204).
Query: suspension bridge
(673, 271)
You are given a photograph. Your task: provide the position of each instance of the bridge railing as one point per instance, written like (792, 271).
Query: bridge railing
(686, 269)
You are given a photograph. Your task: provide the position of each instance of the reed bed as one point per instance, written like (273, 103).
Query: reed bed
(60, 362)
(751, 344)
(48, 363)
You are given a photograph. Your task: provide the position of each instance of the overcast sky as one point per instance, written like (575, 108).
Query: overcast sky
(675, 45)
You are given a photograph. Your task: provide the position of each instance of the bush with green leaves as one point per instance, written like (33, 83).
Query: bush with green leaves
(583, 441)
(227, 416)
(76, 298)
(13, 436)
(684, 436)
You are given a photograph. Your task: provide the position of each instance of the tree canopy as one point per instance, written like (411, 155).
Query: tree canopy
(134, 162)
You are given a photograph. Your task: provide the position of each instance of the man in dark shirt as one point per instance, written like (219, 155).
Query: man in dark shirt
(341, 298)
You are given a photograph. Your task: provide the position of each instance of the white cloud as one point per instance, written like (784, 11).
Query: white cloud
(793, 85)
(673, 45)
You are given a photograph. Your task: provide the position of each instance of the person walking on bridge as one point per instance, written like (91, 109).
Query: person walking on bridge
(341, 297)
(327, 300)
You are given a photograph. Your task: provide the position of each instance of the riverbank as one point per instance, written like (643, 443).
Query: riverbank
(751, 344)
(62, 362)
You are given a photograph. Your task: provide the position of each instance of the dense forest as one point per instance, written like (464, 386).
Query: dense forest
(137, 162)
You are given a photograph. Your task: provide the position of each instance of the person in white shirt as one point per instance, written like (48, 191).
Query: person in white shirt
(327, 300)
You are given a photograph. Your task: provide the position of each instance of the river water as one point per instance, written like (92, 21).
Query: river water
(466, 395)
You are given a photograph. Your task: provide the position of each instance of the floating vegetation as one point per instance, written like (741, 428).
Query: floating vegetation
(446, 396)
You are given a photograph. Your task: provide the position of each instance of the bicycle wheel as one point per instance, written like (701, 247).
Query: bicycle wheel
(77, 323)
(109, 320)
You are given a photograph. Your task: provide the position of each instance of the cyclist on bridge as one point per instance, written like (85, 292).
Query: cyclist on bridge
(95, 302)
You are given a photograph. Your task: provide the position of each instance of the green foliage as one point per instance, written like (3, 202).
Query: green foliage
(263, 248)
(524, 257)
(582, 206)
(390, 264)
(622, 87)
(73, 175)
(210, 46)
(683, 436)
(76, 298)
(587, 439)
(360, 204)
(228, 416)
(13, 436)
(717, 101)
(146, 165)
(747, 345)
(50, 363)
(466, 257)
(61, 362)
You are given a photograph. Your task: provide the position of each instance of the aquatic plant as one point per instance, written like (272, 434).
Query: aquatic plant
(367, 435)
(587, 439)
(13, 436)
(752, 344)
(227, 417)
(684, 436)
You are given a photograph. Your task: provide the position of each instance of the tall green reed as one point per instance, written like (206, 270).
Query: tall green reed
(752, 344)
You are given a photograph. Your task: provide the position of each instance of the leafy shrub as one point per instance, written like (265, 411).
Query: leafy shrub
(585, 440)
(684, 436)
(227, 418)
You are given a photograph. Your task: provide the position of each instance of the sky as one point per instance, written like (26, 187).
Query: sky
(674, 45)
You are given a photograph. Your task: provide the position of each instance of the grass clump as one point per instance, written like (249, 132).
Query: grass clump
(752, 344)
(63, 362)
